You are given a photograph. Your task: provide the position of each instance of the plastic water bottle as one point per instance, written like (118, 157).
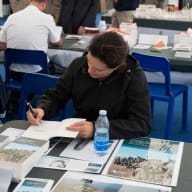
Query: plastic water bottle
(101, 138)
(102, 26)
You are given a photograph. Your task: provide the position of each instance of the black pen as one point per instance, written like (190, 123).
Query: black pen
(81, 143)
(31, 109)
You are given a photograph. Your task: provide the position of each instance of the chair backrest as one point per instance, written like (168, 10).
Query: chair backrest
(2, 98)
(155, 64)
(35, 83)
(21, 56)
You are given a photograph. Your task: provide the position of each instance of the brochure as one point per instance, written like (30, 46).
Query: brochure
(34, 185)
(83, 182)
(84, 150)
(63, 163)
(146, 159)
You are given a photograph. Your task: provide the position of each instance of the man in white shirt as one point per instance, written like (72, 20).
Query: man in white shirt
(53, 7)
(30, 29)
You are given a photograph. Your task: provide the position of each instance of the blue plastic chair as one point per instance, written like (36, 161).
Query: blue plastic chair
(21, 56)
(34, 83)
(164, 92)
(37, 83)
(2, 99)
(2, 92)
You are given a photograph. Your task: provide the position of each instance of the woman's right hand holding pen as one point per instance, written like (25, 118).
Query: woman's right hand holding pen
(35, 120)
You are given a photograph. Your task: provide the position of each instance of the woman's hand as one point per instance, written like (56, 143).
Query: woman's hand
(85, 128)
(81, 30)
(36, 118)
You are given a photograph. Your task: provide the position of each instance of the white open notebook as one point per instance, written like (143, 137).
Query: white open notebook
(50, 129)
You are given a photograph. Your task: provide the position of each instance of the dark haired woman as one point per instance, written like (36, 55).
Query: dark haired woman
(107, 77)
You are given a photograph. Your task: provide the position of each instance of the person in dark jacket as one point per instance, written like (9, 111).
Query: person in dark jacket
(77, 14)
(124, 11)
(107, 77)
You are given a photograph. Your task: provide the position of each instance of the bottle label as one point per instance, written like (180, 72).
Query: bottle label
(101, 143)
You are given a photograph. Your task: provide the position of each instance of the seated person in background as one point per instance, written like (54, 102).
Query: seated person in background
(106, 77)
(53, 7)
(75, 15)
(29, 29)
(124, 11)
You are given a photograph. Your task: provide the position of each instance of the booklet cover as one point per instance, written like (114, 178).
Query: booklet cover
(82, 182)
(34, 185)
(146, 159)
(22, 154)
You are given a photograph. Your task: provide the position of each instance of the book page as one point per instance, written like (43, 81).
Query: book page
(59, 30)
(50, 129)
(146, 159)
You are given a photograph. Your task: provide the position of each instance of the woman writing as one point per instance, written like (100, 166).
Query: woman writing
(106, 77)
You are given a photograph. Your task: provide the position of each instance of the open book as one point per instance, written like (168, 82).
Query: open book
(50, 129)
(146, 159)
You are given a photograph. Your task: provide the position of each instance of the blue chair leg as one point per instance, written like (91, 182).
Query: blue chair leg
(170, 113)
(185, 110)
(152, 108)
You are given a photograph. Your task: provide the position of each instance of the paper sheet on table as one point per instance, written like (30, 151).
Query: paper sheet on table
(87, 153)
(62, 163)
(141, 46)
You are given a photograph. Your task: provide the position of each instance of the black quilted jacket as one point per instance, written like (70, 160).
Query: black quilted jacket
(124, 95)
